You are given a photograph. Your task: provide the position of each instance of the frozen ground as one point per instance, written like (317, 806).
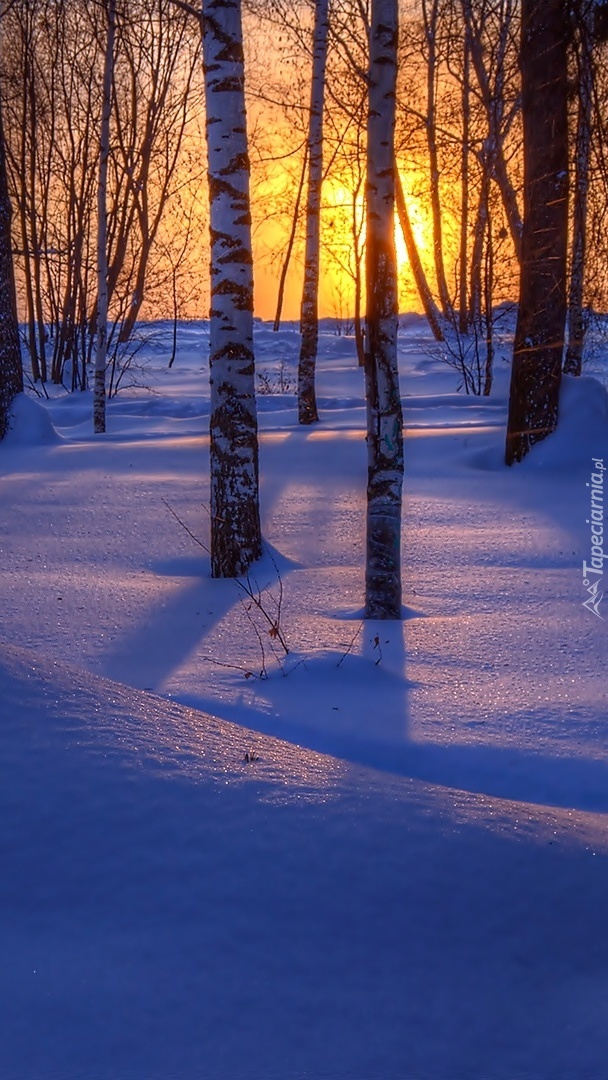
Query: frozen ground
(409, 880)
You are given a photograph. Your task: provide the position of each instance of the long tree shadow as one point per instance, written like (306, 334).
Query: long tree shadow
(176, 626)
(359, 706)
(183, 619)
(357, 709)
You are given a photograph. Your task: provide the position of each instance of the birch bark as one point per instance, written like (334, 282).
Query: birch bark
(384, 415)
(309, 318)
(235, 516)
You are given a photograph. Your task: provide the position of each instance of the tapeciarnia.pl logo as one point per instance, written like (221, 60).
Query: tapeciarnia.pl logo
(593, 571)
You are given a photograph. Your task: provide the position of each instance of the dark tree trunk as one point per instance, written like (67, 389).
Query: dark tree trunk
(309, 321)
(488, 290)
(492, 96)
(101, 343)
(479, 233)
(539, 336)
(463, 307)
(431, 16)
(384, 416)
(290, 243)
(11, 371)
(576, 323)
(424, 292)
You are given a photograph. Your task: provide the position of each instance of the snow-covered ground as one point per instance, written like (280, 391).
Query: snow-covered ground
(388, 859)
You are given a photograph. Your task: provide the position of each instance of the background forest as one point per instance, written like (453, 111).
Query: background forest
(258, 820)
(458, 146)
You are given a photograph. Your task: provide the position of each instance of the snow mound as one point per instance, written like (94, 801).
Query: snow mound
(489, 458)
(30, 424)
(182, 898)
(582, 431)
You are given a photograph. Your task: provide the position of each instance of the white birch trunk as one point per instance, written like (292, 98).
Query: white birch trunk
(101, 342)
(309, 319)
(235, 516)
(384, 416)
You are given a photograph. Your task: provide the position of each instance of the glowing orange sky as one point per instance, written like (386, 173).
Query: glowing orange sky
(336, 287)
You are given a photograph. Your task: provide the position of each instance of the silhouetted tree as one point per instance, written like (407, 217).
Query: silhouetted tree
(582, 153)
(309, 319)
(11, 372)
(99, 392)
(539, 336)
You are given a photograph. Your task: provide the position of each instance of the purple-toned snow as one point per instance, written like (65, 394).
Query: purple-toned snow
(388, 860)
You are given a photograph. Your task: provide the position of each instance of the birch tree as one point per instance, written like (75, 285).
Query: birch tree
(11, 372)
(235, 516)
(539, 335)
(99, 392)
(309, 322)
(384, 415)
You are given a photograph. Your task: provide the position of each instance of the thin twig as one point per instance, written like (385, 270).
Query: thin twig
(248, 587)
(349, 649)
(184, 526)
(196, 13)
(263, 670)
(234, 667)
(274, 624)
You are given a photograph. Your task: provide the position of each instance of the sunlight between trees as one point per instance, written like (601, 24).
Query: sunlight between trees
(488, 119)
